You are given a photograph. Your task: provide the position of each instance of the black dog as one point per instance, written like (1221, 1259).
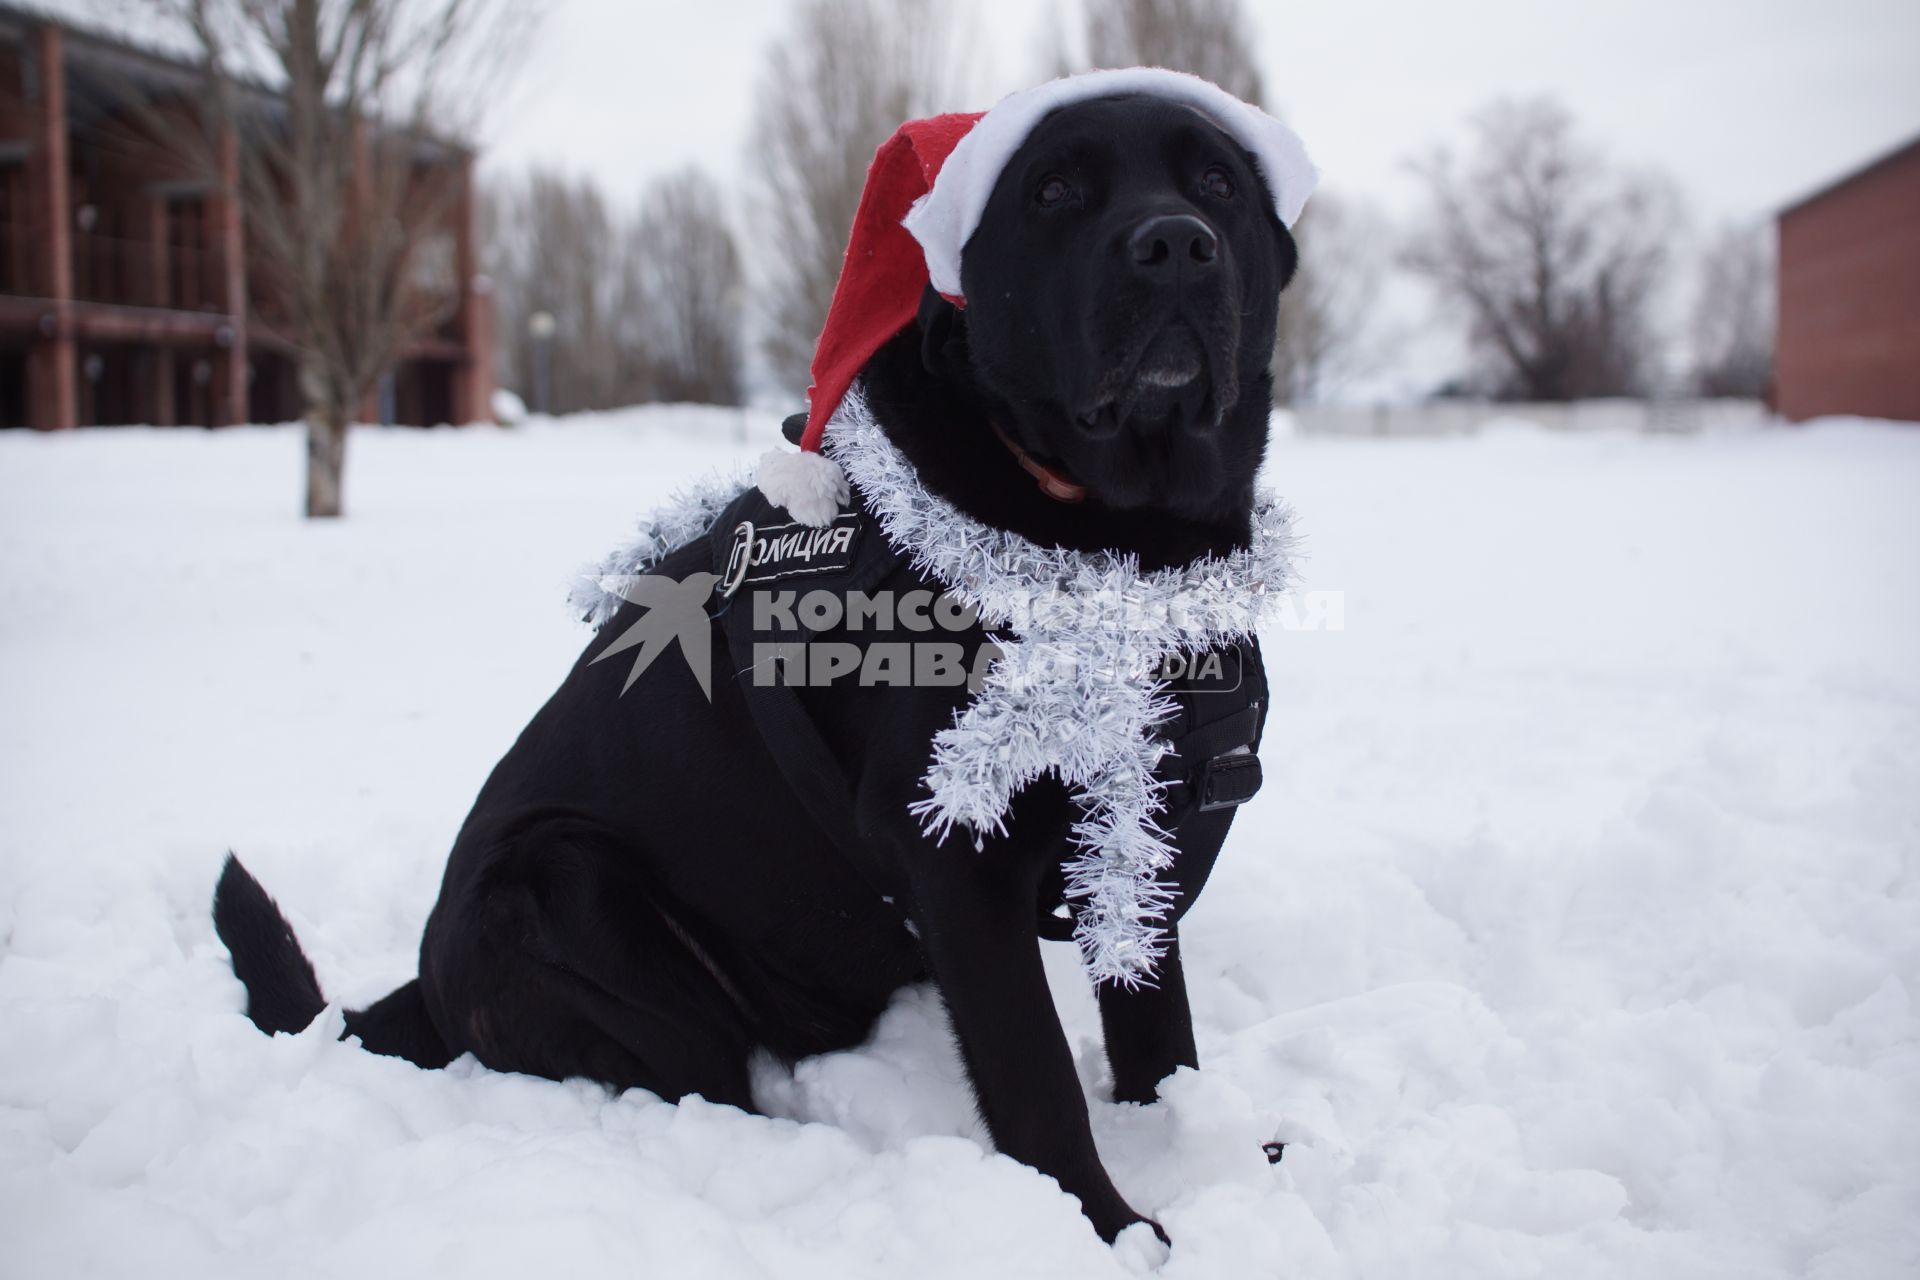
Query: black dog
(642, 896)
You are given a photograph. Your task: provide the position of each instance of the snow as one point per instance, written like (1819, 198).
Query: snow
(1576, 932)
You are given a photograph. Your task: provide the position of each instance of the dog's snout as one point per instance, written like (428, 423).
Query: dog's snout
(1165, 242)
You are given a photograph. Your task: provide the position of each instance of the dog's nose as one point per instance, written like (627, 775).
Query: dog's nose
(1170, 240)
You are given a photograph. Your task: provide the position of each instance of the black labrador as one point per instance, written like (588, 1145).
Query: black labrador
(639, 896)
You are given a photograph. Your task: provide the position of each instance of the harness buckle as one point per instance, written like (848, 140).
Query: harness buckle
(1229, 780)
(739, 560)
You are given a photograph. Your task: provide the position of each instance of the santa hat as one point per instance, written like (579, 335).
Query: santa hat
(926, 189)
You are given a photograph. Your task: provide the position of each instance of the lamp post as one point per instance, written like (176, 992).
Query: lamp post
(540, 327)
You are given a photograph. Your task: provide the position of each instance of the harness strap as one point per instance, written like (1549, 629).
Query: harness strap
(1214, 765)
(803, 756)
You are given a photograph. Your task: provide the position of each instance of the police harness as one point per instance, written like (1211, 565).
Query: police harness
(1213, 736)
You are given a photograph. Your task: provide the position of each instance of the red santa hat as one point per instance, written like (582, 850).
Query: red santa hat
(926, 189)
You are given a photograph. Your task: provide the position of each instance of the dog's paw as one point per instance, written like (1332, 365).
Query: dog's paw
(1142, 1248)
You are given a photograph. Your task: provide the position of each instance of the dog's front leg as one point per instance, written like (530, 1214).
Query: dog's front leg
(975, 912)
(1149, 1029)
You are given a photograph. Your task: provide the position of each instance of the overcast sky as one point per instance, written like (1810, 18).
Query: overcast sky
(1747, 103)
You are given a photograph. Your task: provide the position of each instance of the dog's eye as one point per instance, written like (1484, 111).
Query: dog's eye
(1217, 182)
(1053, 190)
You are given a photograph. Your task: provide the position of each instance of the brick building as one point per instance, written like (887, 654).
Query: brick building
(1849, 324)
(125, 284)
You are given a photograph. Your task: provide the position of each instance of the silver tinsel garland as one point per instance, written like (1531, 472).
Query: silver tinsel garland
(689, 514)
(1077, 691)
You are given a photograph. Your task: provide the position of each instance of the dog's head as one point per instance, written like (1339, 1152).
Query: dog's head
(1121, 288)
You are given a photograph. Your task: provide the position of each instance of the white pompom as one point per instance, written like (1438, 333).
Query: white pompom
(811, 486)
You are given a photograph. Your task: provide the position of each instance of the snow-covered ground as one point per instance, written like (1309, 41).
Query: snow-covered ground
(1576, 932)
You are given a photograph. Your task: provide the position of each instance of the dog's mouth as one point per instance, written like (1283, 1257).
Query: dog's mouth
(1172, 359)
(1168, 378)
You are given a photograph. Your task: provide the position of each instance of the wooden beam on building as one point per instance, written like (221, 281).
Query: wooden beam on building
(51, 389)
(473, 370)
(226, 232)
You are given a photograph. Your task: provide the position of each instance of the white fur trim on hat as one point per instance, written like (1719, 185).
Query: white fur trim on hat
(811, 486)
(944, 219)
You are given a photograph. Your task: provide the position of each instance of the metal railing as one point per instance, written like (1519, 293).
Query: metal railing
(113, 269)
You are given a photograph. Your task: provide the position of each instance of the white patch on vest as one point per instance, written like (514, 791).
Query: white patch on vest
(788, 550)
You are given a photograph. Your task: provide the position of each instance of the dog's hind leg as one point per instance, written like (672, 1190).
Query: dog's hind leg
(558, 961)
(399, 1026)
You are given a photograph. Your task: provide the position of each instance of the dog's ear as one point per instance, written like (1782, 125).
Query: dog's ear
(1289, 253)
(943, 336)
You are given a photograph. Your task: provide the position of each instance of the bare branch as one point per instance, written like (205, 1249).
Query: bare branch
(646, 308)
(1327, 326)
(1209, 38)
(1554, 257)
(336, 126)
(1733, 314)
(834, 88)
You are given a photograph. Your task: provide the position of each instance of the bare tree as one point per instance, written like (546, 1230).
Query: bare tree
(332, 125)
(1554, 256)
(845, 75)
(690, 295)
(1209, 38)
(554, 248)
(1733, 314)
(649, 307)
(1327, 323)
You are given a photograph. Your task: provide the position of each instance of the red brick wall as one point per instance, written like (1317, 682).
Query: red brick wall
(1850, 297)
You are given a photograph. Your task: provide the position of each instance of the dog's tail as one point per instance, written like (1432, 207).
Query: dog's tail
(284, 995)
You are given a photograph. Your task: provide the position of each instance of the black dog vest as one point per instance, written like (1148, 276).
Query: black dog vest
(1211, 766)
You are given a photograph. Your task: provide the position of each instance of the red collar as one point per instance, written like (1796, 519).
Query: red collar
(1055, 484)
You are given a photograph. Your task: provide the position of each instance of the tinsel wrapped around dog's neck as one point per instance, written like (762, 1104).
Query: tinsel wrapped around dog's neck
(1075, 693)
